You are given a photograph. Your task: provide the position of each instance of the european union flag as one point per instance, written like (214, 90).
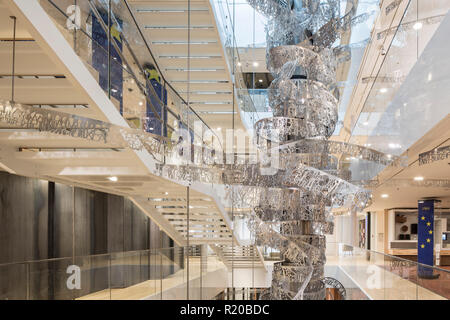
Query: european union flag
(425, 243)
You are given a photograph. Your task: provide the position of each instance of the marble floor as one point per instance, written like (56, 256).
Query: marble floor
(153, 287)
(371, 274)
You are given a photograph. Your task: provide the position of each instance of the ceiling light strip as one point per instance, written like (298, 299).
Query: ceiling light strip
(195, 70)
(200, 81)
(186, 57)
(184, 42)
(205, 27)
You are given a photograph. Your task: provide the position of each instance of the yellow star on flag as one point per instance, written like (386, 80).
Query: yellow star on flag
(430, 232)
(422, 246)
(428, 240)
(423, 218)
(115, 33)
(428, 224)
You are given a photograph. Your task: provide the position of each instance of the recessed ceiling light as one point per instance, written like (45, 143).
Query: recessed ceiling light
(365, 123)
(255, 64)
(384, 195)
(383, 90)
(394, 146)
(239, 64)
(218, 129)
(166, 193)
(141, 103)
(260, 80)
(418, 26)
(113, 179)
(418, 178)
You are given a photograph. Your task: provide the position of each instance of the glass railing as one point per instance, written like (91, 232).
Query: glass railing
(144, 274)
(410, 42)
(368, 274)
(111, 44)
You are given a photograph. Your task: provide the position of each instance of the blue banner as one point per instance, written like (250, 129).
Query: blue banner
(425, 242)
(100, 56)
(153, 124)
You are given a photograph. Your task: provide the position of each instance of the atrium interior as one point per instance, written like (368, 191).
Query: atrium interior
(224, 150)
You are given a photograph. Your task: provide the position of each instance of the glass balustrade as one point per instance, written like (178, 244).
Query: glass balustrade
(144, 274)
(114, 49)
(368, 274)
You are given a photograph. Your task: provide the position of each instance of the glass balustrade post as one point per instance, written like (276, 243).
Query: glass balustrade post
(109, 50)
(28, 281)
(109, 276)
(161, 267)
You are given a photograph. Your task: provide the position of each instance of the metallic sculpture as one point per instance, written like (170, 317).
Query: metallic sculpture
(304, 97)
(23, 116)
(437, 154)
(334, 283)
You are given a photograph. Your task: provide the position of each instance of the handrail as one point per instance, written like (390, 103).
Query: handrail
(155, 250)
(157, 66)
(116, 47)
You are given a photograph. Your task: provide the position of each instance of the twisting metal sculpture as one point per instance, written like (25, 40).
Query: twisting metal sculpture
(304, 100)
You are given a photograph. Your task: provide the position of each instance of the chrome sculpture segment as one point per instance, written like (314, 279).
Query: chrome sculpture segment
(61, 123)
(304, 96)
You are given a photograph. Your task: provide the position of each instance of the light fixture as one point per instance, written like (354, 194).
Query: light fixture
(219, 128)
(113, 179)
(418, 26)
(141, 103)
(239, 64)
(183, 42)
(255, 64)
(366, 123)
(383, 90)
(385, 195)
(179, 27)
(419, 178)
(430, 77)
(394, 146)
(166, 193)
(260, 80)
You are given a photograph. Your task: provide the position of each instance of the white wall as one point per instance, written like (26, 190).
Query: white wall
(251, 278)
(343, 228)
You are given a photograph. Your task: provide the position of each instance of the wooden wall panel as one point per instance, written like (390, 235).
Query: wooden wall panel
(83, 207)
(115, 223)
(23, 231)
(63, 221)
(23, 217)
(41, 219)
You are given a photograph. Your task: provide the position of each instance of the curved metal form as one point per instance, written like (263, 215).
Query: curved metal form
(303, 95)
(334, 283)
